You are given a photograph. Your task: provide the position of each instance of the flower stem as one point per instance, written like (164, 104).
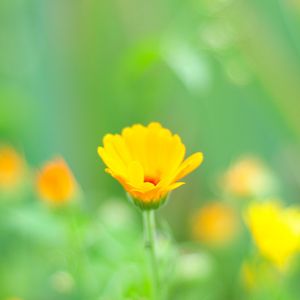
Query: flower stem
(149, 231)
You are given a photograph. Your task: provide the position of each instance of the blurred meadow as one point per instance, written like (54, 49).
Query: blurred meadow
(223, 74)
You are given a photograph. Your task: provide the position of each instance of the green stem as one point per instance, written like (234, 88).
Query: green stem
(149, 229)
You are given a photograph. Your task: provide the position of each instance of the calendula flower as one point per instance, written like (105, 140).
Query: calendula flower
(55, 182)
(275, 230)
(11, 167)
(248, 177)
(148, 162)
(215, 223)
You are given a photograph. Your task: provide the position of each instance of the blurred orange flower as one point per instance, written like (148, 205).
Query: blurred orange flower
(11, 167)
(215, 223)
(248, 177)
(148, 162)
(55, 182)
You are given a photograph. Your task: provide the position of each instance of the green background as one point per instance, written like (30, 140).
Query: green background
(223, 74)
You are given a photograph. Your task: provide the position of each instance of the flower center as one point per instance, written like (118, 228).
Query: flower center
(151, 180)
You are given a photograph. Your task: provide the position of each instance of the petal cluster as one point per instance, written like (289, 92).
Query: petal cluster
(11, 167)
(248, 177)
(275, 230)
(216, 224)
(148, 161)
(55, 182)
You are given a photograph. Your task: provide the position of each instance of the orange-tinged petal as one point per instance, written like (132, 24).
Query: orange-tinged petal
(146, 187)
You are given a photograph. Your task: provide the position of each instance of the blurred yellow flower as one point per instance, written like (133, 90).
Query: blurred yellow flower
(11, 167)
(248, 177)
(255, 273)
(275, 230)
(215, 223)
(55, 182)
(148, 162)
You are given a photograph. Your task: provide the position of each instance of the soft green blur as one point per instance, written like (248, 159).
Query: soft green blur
(223, 74)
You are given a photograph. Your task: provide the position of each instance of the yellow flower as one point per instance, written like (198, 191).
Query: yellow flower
(148, 162)
(275, 230)
(248, 177)
(11, 167)
(55, 182)
(215, 223)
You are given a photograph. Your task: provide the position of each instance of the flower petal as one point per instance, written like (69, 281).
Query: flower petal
(135, 173)
(134, 138)
(189, 165)
(174, 156)
(112, 162)
(175, 186)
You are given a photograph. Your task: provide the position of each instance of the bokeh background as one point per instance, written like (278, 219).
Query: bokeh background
(224, 74)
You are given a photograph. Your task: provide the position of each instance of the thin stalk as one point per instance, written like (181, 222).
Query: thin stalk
(150, 231)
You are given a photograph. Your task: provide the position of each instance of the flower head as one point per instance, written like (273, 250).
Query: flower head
(275, 230)
(248, 177)
(11, 167)
(215, 223)
(55, 182)
(148, 162)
